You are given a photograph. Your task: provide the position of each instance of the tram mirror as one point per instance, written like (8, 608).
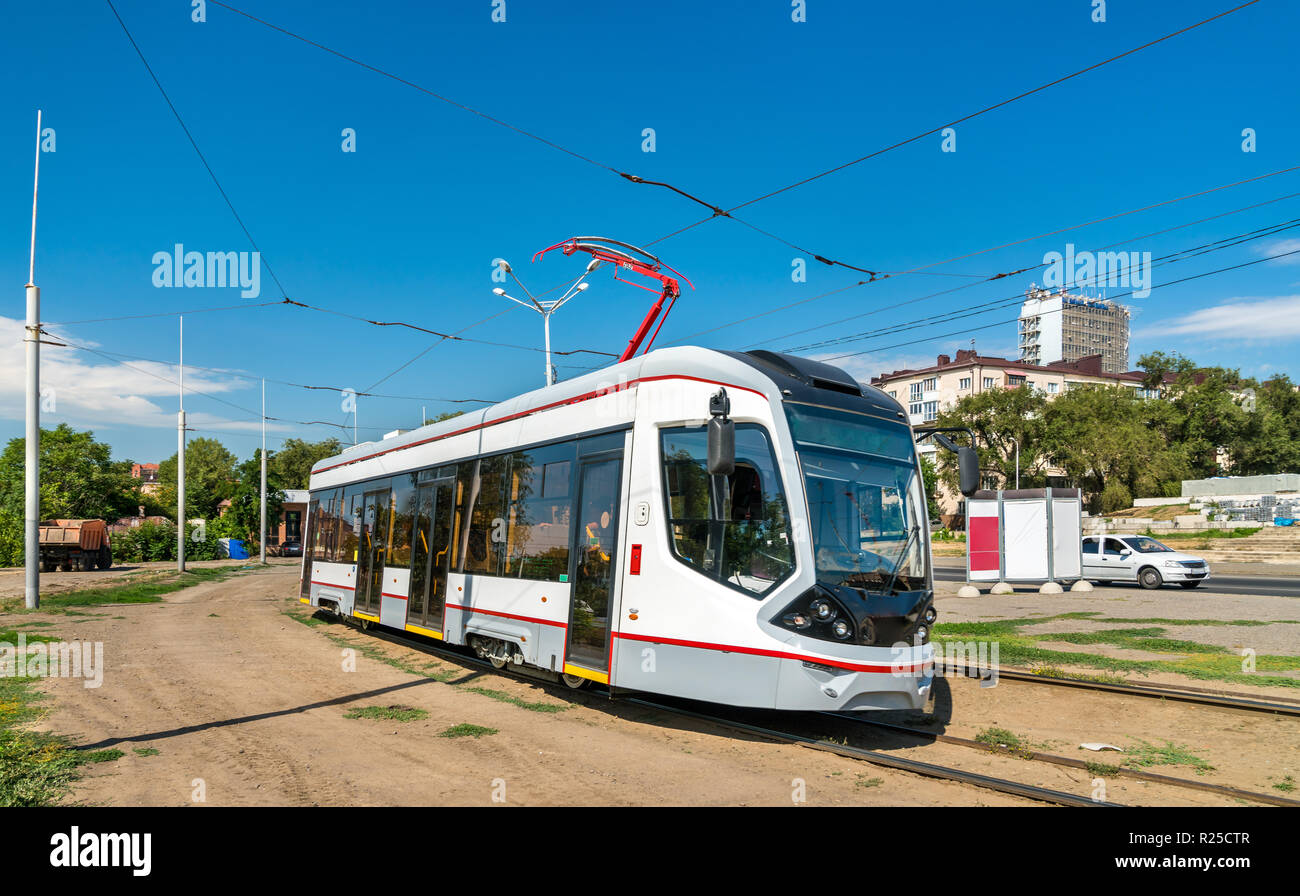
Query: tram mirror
(968, 470)
(722, 447)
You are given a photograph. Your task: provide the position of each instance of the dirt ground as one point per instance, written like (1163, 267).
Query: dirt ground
(13, 582)
(246, 705)
(249, 704)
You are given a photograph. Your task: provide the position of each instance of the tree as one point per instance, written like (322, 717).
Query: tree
(1269, 438)
(1000, 418)
(930, 479)
(291, 465)
(209, 478)
(447, 415)
(1158, 365)
(1107, 441)
(79, 479)
(245, 514)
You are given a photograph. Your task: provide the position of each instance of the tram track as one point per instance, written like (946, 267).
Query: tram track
(874, 757)
(927, 769)
(1181, 693)
(1067, 762)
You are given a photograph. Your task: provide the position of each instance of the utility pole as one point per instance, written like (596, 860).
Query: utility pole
(182, 530)
(32, 505)
(262, 541)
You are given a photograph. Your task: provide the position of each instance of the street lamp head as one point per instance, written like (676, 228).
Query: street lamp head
(593, 264)
(499, 291)
(503, 265)
(582, 286)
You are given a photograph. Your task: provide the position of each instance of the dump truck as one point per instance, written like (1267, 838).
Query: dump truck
(75, 544)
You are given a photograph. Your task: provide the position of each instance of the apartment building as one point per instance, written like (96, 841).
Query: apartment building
(927, 391)
(1057, 326)
(148, 476)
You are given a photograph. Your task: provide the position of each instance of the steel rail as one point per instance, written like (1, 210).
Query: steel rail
(1067, 762)
(1184, 695)
(927, 769)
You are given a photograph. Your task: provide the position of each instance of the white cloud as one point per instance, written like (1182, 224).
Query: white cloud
(1252, 320)
(88, 390)
(1278, 247)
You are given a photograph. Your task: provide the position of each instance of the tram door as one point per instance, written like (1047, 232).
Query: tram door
(596, 534)
(371, 551)
(435, 503)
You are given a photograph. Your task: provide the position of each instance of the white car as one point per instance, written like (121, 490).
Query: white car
(1141, 559)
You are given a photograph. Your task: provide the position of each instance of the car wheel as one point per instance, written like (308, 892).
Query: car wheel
(1189, 584)
(1149, 578)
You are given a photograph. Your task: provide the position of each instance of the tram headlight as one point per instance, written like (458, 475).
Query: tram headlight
(922, 633)
(798, 621)
(841, 629)
(930, 615)
(822, 609)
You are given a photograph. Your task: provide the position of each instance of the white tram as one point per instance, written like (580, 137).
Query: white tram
(577, 532)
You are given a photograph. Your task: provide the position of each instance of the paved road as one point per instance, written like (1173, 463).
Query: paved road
(948, 569)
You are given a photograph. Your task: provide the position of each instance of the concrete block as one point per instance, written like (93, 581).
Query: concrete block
(968, 590)
(1050, 588)
(1083, 585)
(1001, 588)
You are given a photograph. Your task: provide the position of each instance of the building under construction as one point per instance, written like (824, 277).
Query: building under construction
(1058, 326)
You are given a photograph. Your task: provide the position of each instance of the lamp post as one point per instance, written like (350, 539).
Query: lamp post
(545, 307)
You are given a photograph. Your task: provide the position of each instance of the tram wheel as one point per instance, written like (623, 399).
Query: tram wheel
(498, 662)
(577, 682)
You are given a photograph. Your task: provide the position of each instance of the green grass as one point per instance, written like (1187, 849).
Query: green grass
(1190, 658)
(36, 768)
(1101, 769)
(1002, 739)
(1190, 535)
(1093, 616)
(517, 701)
(102, 756)
(124, 592)
(465, 729)
(393, 713)
(10, 636)
(869, 782)
(1146, 755)
(145, 751)
(1286, 785)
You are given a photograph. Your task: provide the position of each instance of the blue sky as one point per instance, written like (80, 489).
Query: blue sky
(742, 101)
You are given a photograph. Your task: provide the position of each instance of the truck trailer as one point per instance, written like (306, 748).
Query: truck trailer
(75, 544)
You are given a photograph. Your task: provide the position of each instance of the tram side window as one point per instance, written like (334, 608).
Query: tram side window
(399, 550)
(740, 536)
(349, 525)
(486, 536)
(321, 524)
(540, 501)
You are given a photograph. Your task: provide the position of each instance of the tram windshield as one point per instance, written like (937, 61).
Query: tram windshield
(866, 501)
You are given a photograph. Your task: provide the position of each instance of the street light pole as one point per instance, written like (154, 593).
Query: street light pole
(182, 529)
(262, 539)
(545, 308)
(32, 479)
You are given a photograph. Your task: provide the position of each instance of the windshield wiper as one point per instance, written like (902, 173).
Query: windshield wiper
(893, 577)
